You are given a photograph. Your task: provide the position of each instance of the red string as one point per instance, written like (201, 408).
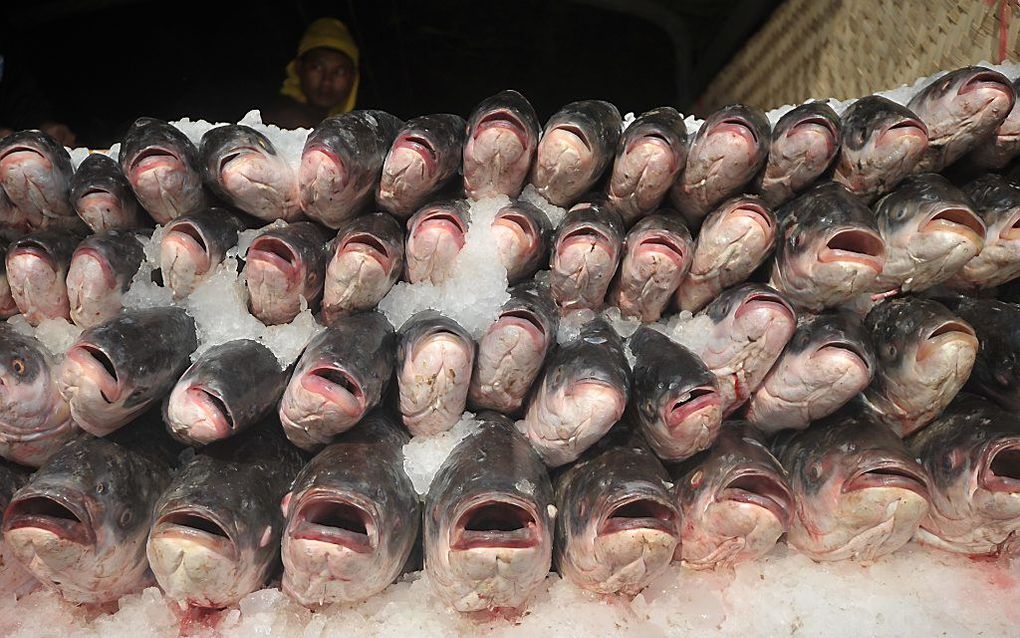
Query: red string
(1005, 14)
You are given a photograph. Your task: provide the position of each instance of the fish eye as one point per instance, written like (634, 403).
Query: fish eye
(890, 350)
(18, 366)
(100, 487)
(697, 478)
(815, 470)
(125, 518)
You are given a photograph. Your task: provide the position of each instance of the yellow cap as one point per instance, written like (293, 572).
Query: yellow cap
(328, 33)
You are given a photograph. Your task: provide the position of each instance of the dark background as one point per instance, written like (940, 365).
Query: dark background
(103, 63)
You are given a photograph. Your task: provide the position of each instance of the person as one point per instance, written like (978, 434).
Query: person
(321, 81)
(23, 106)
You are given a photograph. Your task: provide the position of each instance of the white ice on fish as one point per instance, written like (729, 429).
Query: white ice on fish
(195, 129)
(775, 114)
(628, 119)
(246, 237)
(691, 331)
(56, 335)
(693, 124)
(78, 155)
(570, 324)
(424, 455)
(288, 142)
(554, 213)
(624, 326)
(474, 293)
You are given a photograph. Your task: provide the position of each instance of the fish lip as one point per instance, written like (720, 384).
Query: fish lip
(502, 119)
(524, 319)
(778, 499)
(587, 232)
(657, 139)
(187, 235)
(1011, 232)
(958, 220)
(517, 511)
(738, 125)
(275, 253)
(332, 156)
(80, 532)
(888, 473)
(661, 242)
(173, 523)
(315, 382)
(84, 355)
(235, 153)
(860, 358)
(756, 213)
(109, 277)
(855, 245)
(987, 476)
(904, 126)
(518, 220)
(301, 528)
(576, 131)
(20, 148)
(988, 80)
(30, 248)
(441, 217)
(153, 150)
(946, 331)
(770, 298)
(214, 408)
(421, 145)
(676, 413)
(376, 248)
(832, 140)
(661, 516)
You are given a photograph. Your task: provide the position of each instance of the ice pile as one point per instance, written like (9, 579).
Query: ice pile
(288, 143)
(554, 213)
(691, 331)
(476, 291)
(56, 335)
(424, 455)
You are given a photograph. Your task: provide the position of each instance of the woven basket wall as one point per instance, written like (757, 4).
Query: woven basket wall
(850, 48)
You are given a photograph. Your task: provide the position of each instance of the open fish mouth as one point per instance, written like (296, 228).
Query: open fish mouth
(338, 520)
(64, 516)
(196, 526)
(960, 221)
(238, 153)
(906, 128)
(97, 366)
(423, 147)
(639, 513)
(214, 408)
(526, 321)
(503, 120)
(337, 386)
(772, 303)
(22, 149)
(370, 245)
(815, 124)
(945, 334)
(756, 213)
(276, 254)
(855, 246)
(154, 156)
(738, 127)
(851, 352)
(1011, 231)
(699, 399)
(886, 474)
(762, 489)
(1001, 469)
(665, 245)
(496, 522)
(33, 250)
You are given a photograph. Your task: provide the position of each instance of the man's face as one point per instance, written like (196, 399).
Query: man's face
(326, 77)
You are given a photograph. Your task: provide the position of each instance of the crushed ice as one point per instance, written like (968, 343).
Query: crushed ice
(424, 455)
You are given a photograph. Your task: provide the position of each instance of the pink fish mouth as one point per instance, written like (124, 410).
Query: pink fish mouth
(317, 154)
(22, 149)
(657, 141)
(505, 121)
(34, 250)
(772, 303)
(855, 246)
(1001, 470)
(850, 353)
(197, 526)
(817, 126)
(96, 366)
(888, 474)
(521, 226)
(441, 223)
(338, 387)
(991, 81)
(337, 520)
(88, 252)
(638, 513)
(1012, 231)
(188, 239)
(757, 214)
(214, 409)
(369, 245)
(947, 333)
(739, 128)
(154, 157)
(497, 522)
(585, 235)
(238, 153)
(701, 399)
(525, 321)
(274, 253)
(762, 489)
(960, 221)
(423, 147)
(664, 245)
(63, 517)
(908, 129)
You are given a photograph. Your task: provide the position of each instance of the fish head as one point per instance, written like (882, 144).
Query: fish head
(435, 236)
(522, 238)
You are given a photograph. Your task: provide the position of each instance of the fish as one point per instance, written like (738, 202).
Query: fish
(617, 523)
(512, 350)
(576, 147)
(435, 236)
(829, 249)
(489, 517)
(284, 270)
(8, 307)
(499, 145)
(245, 169)
(366, 259)
(804, 143)
(341, 163)
(216, 530)
(726, 153)
(37, 266)
(35, 177)
(745, 331)
(860, 493)
(585, 254)
(960, 109)
(424, 157)
(828, 361)
(734, 240)
(229, 388)
(581, 393)
(972, 453)
(734, 500)
(341, 376)
(193, 245)
(353, 517)
(80, 523)
(523, 233)
(930, 232)
(997, 203)
(996, 152)
(651, 154)
(882, 143)
(925, 355)
(675, 398)
(434, 361)
(103, 198)
(35, 420)
(657, 255)
(12, 478)
(115, 371)
(101, 270)
(164, 170)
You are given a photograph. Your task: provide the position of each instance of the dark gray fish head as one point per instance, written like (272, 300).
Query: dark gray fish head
(829, 249)
(925, 355)
(727, 152)
(735, 501)
(35, 175)
(102, 196)
(115, 370)
(960, 109)
(804, 143)
(997, 202)
(37, 267)
(828, 361)
(582, 392)
(1004, 145)
(522, 233)
(860, 493)
(35, 420)
(367, 258)
(502, 136)
(657, 255)
(80, 523)
(489, 521)
(241, 166)
(352, 517)
(650, 155)
(618, 526)
(284, 266)
(341, 375)
(513, 350)
(577, 146)
(229, 388)
(424, 156)
(341, 164)
(972, 453)
(193, 245)
(676, 398)
(586, 252)
(163, 168)
(435, 236)
(12, 478)
(434, 363)
(101, 271)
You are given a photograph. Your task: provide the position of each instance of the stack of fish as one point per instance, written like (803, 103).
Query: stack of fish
(744, 332)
